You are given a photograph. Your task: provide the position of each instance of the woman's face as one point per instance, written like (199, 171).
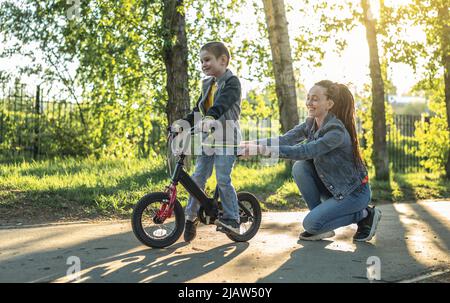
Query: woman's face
(317, 102)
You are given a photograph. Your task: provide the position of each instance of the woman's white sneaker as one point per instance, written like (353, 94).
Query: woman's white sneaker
(311, 237)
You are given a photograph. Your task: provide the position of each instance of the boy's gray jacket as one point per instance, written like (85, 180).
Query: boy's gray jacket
(227, 104)
(330, 148)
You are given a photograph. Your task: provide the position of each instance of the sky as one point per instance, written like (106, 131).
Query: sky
(351, 66)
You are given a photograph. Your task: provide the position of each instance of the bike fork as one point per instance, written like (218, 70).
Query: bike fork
(167, 208)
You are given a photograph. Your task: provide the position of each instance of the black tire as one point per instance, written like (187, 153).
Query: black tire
(248, 202)
(139, 229)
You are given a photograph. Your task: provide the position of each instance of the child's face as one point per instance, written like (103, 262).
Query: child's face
(211, 65)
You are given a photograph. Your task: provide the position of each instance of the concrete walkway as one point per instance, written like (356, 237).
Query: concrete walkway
(412, 239)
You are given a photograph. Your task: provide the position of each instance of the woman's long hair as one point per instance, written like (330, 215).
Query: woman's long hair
(344, 110)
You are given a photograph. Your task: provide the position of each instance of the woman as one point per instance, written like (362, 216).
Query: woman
(329, 170)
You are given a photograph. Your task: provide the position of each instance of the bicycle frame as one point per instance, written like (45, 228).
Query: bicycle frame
(180, 176)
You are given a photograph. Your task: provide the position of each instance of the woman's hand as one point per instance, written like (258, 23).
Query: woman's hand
(265, 150)
(245, 143)
(244, 150)
(248, 149)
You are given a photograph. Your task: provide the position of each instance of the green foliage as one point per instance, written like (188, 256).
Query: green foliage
(408, 17)
(259, 114)
(332, 20)
(364, 114)
(13, 125)
(58, 132)
(433, 136)
(255, 52)
(59, 137)
(120, 70)
(260, 105)
(432, 18)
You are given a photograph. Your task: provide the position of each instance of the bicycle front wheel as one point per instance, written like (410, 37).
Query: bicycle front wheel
(150, 231)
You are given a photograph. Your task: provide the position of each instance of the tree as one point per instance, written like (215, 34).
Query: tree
(443, 15)
(282, 63)
(380, 153)
(175, 53)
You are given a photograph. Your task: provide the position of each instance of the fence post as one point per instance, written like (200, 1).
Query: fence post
(36, 127)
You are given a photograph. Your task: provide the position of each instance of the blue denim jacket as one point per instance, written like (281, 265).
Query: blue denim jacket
(330, 148)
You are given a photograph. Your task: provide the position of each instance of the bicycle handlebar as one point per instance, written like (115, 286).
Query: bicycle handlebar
(193, 131)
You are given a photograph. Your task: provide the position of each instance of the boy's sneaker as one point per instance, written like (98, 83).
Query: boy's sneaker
(228, 226)
(190, 230)
(311, 237)
(368, 226)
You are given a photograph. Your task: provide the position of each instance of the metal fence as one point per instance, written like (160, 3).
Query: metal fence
(27, 122)
(30, 125)
(402, 144)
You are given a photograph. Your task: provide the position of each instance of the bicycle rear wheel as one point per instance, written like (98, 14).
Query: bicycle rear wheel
(157, 234)
(250, 217)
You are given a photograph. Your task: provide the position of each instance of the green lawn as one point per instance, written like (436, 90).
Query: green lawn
(90, 188)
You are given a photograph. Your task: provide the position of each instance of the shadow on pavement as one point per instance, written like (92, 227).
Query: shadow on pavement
(341, 260)
(118, 258)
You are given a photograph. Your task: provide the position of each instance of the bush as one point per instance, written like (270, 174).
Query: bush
(433, 136)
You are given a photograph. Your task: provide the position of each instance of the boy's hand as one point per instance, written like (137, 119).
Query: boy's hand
(179, 126)
(198, 127)
(207, 124)
(176, 128)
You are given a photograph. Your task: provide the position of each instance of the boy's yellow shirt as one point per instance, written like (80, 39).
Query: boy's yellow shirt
(210, 100)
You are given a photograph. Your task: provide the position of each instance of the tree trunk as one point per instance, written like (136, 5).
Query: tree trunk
(445, 40)
(282, 63)
(175, 53)
(380, 154)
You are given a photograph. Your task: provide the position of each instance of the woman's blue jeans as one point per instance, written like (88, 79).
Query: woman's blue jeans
(327, 213)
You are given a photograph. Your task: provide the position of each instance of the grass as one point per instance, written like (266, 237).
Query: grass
(77, 188)
(411, 187)
(74, 189)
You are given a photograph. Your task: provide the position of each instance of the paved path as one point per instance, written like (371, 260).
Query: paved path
(412, 239)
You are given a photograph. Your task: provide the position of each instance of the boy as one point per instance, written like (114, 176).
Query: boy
(220, 101)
